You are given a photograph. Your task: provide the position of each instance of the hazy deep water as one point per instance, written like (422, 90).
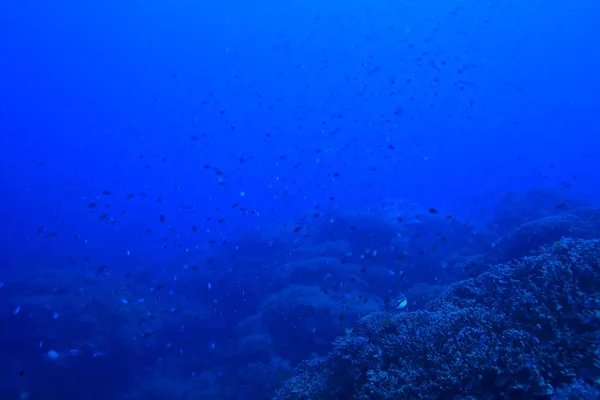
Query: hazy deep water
(299, 200)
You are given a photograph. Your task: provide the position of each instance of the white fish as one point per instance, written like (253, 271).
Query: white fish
(402, 302)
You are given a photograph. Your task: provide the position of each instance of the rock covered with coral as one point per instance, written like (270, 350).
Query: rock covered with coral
(526, 329)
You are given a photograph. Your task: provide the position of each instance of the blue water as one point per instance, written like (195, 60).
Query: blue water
(197, 196)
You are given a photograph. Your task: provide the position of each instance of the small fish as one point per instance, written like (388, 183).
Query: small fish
(124, 301)
(401, 302)
(209, 285)
(17, 310)
(560, 206)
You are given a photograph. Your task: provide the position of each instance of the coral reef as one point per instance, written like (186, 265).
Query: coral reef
(524, 329)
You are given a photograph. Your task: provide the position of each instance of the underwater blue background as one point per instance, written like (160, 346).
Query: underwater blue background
(243, 120)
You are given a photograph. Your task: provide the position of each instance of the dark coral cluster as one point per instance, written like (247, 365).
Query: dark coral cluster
(527, 329)
(522, 240)
(234, 323)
